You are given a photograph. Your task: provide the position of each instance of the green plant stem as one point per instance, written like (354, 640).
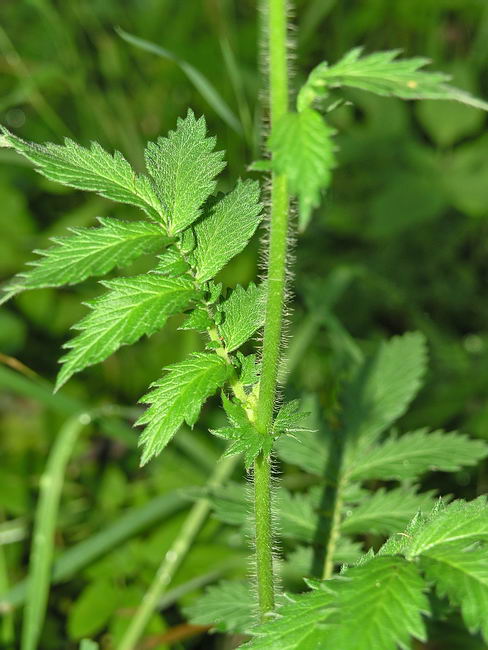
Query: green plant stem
(173, 559)
(42, 549)
(335, 527)
(276, 279)
(7, 622)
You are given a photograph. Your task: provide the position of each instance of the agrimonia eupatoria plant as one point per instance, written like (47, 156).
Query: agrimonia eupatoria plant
(376, 603)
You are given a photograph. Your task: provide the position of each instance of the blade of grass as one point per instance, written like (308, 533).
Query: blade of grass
(7, 622)
(201, 83)
(83, 554)
(44, 528)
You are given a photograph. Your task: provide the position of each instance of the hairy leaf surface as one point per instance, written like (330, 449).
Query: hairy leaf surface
(461, 574)
(132, 308)
(303, 149)
(178, 398)
(460, 521)
(184, 166)
(89, 252)
(93, 170)
(243, 313)
(225, 228)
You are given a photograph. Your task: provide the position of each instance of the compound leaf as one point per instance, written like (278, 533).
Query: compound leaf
(385, 512)
(303, 150)
(243, 313)
(92, 169)
(178, 398)
(133, 307)
(415, 453)
(379, 606)
(89, 252)
(461, 574)
(227, 606)
(184, 166)
(382, 73)
(225, 228)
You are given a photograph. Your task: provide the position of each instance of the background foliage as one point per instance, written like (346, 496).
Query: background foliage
(399, 244)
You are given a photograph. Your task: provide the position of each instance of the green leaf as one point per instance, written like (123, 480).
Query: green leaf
(301, 625)
(93, 609)
(460, 521)
(89, 252)
(228, 606)
(298, 515)
(303, 149)
(243, 313)
(290, 419)
(172, 263)
(385, 512)
(230, 504)
(92, 170)
(384, 386)
(133, 307)
(249, 374)
(382, 73)
(309, 450)
(379, 606)
(178, 398)
(374, 606)
(461, 574)
(416, 453)
(184, 166)
(226, 227)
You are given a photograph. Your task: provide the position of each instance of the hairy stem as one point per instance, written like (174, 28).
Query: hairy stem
(173, 559)
(278, 93)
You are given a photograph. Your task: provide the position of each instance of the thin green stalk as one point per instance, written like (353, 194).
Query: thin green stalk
(334, 531)
(276, 279)
(44, 527)
(173, 559)
(7, 621)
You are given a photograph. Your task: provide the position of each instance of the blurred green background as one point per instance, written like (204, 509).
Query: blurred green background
(400, 243)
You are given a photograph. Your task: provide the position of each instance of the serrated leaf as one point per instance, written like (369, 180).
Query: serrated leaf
(460, 521)
(178, 398)
(93, 170)
(133, 307)
(298, 515)
(461, 574)
(301, 624)
(225, 228)
(230, 503)
(309, 450)
(382, 73)
(290, 419)
(303, 150)
(416, 453)
(379, 606)
(228, 606)
(243, 315)
(384, 386)
(171, 263)
(184, 166)
(249, 373)
(89, 252)
(198, 320)
(385, 511)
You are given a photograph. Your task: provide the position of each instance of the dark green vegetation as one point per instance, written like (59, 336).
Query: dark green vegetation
(398, 245)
